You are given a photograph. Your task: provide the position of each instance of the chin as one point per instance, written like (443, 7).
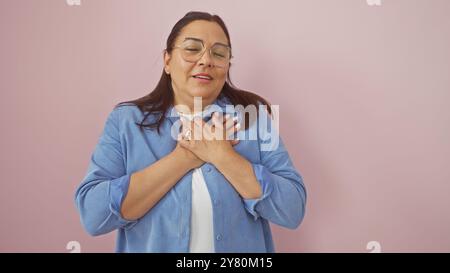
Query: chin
(201, 93)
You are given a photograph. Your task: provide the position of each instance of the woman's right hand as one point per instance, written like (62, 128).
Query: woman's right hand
(191, 159)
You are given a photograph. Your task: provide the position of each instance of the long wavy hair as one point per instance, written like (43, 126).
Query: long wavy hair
(162, 97)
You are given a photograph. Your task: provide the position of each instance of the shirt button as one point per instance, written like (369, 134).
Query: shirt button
(219, 237)
(208, 169)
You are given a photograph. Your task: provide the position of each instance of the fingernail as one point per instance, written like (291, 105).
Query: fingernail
(235, 119)
(238, 126)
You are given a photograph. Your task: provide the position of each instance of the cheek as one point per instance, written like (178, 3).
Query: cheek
(187, 68)
(182, 70)
(221, 78)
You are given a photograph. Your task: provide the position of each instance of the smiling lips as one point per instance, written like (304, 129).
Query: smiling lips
(202, 77)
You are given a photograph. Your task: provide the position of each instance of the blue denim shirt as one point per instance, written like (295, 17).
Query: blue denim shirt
(240, 225)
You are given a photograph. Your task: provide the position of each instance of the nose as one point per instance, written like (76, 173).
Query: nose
(206, 59)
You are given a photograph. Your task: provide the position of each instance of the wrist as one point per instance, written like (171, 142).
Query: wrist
(224, 158)
(182, 158)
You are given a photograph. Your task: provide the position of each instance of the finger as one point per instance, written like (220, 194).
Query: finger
(186, 131)
(197, 120)
(218, 127)
(210, 131)
(225, 118)
(230, 122)
(215, 122)
(184, 139)
(217, 119)
(197, 128)
(221, 126)
(185, 124)
(206, 125)
(237, 127)
(192, 125)
(233, 130)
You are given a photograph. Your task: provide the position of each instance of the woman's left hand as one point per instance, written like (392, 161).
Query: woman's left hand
(212, 142)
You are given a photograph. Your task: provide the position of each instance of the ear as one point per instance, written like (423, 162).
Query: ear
(166, 62)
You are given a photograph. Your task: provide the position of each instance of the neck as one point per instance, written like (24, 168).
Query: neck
(191, 105)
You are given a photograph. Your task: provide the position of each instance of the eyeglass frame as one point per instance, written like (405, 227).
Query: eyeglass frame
(205, 49)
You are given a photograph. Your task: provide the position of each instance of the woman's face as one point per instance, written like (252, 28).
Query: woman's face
(184, 84)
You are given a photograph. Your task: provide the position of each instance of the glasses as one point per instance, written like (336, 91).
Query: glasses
(193, 49)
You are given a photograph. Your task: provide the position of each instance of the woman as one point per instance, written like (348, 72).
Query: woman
(202, 190)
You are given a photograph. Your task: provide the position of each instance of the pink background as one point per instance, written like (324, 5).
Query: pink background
(363, 94)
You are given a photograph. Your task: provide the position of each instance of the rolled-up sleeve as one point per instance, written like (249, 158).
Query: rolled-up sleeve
(283, 200)
(100, 194)
(266, 187)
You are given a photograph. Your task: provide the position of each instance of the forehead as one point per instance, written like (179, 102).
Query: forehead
(209, 32)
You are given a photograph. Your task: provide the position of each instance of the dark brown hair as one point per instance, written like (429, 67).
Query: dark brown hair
(162, 97)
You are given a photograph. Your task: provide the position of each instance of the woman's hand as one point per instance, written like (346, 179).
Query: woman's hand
(191, 159)
(210, 142)
(214, 144)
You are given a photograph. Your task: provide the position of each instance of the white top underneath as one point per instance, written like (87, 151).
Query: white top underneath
(202, 229)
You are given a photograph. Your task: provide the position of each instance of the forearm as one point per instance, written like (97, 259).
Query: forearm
(239, 172)
(149, 185)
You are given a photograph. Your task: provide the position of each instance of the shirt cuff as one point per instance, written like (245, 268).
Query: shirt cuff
(118, 191)
(263, 177)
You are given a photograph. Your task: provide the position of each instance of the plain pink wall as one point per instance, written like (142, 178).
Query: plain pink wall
(363, 94)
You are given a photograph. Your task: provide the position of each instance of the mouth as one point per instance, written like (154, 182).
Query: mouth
(203, 78)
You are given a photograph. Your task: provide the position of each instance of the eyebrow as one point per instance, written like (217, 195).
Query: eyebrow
(200, 40)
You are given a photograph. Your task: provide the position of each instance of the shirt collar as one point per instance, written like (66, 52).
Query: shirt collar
(219, 104)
